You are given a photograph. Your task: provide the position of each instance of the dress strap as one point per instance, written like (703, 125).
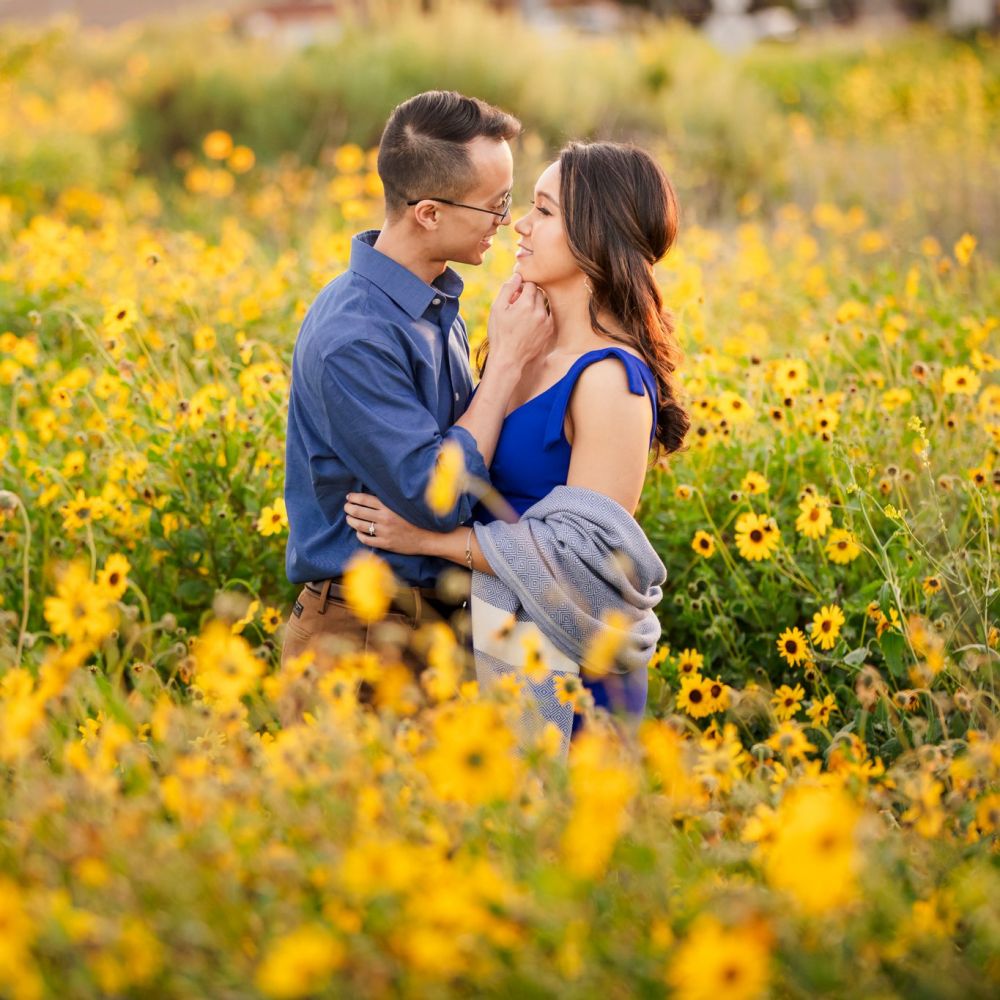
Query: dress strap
(641, 381)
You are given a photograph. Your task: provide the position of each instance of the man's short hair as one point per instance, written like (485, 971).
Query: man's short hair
(423, 150)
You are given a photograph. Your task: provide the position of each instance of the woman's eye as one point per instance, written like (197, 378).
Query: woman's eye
(541, 211)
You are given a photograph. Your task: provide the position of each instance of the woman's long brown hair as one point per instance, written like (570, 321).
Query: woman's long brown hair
(620, 214)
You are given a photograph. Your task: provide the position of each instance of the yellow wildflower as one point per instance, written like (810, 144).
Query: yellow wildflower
(369, 586)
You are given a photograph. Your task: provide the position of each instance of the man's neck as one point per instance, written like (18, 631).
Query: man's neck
(399, 247)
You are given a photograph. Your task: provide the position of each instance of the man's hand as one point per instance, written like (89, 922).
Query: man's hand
(520, 329)
(520, 326)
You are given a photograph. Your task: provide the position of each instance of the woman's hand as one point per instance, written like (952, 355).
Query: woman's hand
(391, 531)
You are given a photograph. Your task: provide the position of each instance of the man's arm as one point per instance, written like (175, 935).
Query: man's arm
(391, 442)
(384, 435)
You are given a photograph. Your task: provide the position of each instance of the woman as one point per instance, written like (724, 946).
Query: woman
(574, 447)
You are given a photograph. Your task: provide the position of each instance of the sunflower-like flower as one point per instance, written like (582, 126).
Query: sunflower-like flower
(694, 697)
(787, 700)
(703, 543)
(757, 536)
(793, 646)
(826, 625)
(814, 519)
(842, 546)
(960, 381)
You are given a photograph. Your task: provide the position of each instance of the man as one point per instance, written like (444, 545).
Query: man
(380, 371)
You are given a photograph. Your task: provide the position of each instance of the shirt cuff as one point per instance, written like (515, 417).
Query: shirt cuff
(475, 467)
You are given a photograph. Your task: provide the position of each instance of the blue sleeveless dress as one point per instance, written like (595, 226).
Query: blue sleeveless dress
(532, 457)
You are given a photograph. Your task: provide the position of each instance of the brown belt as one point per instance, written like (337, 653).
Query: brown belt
(409, 600)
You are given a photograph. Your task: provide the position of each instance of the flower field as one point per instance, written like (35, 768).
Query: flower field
(811, 807)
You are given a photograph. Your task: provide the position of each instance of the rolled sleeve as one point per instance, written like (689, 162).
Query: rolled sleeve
(387, 438)
(475, 466)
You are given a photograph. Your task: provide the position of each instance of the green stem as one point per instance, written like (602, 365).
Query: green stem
(8, 495)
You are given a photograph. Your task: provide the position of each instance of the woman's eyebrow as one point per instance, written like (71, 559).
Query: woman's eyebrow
(548, 197)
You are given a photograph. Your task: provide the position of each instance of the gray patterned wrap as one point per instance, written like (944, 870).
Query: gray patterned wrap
(572, 558)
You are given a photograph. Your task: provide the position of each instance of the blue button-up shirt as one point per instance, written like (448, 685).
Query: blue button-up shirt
(380, 373)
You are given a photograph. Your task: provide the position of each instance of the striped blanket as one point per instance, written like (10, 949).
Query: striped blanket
(571, 560)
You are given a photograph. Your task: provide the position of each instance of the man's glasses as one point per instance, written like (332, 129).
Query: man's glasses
(475, 208)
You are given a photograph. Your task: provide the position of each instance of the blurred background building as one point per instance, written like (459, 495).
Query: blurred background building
(299, 21)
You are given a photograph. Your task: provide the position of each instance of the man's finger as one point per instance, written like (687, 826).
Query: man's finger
(529, 295)
(511, 288)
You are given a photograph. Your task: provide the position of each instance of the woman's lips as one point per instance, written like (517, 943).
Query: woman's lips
(522, 251)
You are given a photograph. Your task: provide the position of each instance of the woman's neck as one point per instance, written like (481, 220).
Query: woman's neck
(570, 307)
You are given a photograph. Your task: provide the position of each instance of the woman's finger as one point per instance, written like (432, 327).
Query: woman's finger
(372, 541)
(355, 509)
(365, 500)
(361, 523)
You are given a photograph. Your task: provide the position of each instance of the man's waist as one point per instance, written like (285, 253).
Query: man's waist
(453, 588)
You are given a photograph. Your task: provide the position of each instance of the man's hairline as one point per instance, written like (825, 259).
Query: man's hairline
(401, 205)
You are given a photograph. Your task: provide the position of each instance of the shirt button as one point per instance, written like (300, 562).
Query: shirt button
(456, 397)
(435, 302)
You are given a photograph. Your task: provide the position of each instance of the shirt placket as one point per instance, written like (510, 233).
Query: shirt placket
(446, 319)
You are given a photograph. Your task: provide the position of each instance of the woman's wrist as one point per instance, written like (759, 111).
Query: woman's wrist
(429, 543)
(448, 545)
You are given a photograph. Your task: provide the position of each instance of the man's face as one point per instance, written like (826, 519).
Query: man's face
(464, 235)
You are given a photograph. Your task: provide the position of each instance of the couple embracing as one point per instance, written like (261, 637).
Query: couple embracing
(577, 388)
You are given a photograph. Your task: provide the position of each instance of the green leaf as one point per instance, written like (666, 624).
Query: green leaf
(893, 647)
(857, 656)
(194, 592)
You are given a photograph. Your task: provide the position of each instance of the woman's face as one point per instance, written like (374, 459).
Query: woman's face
(543, 254)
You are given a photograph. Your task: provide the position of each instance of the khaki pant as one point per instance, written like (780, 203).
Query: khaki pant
(329, 625)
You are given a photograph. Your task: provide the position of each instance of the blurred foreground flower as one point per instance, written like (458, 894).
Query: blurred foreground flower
(814, 856)
(447, 480)
(225, 667)
(369, 586)
(300, 963)
(80, 610)
(715, 962)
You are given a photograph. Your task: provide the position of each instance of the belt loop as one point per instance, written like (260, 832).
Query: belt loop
(324, 595)
(417, 607)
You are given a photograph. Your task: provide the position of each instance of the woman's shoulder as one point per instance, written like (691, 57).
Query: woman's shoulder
(604, 379)
(610, 366)
(607, 350)
(614, 388)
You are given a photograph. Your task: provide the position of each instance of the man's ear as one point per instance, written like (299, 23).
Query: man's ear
(426, 215)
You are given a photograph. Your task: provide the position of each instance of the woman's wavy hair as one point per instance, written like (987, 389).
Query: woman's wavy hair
(620, 214)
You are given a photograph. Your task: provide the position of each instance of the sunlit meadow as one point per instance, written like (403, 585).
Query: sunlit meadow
(811, 806)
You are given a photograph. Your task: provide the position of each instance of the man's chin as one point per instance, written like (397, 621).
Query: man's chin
(470, 257)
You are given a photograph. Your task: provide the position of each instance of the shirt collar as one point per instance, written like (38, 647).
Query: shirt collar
(410, 293)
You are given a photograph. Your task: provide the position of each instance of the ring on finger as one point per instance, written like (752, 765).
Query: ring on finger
(371, 528)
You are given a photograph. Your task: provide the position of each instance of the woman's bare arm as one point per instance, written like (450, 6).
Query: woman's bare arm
(609, 429)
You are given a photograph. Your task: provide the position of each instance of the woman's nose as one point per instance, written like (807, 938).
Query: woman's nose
(521, 226)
